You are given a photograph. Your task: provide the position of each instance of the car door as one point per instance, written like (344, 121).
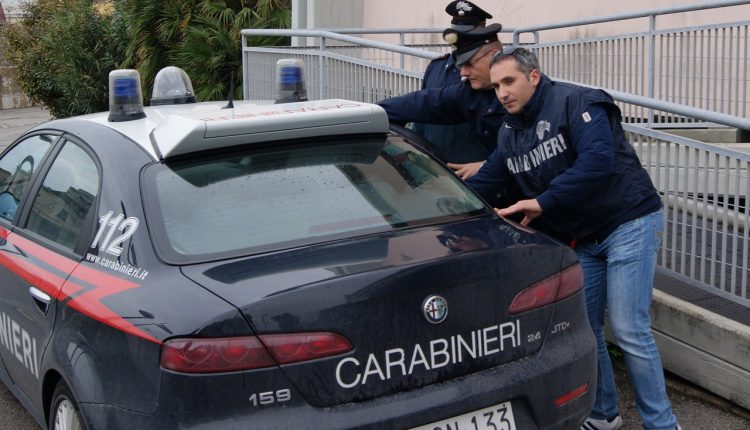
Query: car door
(39, 252)
(17, 166)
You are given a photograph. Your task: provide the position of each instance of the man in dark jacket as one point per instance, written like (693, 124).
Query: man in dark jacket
(457, 143)
(562, 149)
(473, 101)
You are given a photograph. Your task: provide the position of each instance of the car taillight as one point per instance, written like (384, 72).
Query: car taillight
(293, 348)
(227, 354)
(549, 290)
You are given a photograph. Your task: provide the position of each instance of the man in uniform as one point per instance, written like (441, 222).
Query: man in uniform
(457, 143)
(563, 150)
(473, 101)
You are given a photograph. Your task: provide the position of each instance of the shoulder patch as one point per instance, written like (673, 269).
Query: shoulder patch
(586, 117)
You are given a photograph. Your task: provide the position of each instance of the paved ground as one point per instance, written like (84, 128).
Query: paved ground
(695, 408)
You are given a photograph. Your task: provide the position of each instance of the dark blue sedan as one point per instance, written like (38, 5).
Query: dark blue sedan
(275, 266)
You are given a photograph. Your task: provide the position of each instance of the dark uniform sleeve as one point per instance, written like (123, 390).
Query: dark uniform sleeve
(433, 106)
(491, 178)
(591, 137)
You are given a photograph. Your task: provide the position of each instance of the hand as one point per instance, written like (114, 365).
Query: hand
(466, 171)
(530, 209)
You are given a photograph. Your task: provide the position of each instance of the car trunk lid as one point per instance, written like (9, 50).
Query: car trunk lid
(387, 295)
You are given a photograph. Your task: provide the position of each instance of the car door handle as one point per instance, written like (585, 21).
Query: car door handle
(41, 299)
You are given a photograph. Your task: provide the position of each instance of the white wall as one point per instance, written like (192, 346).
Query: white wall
(512, 14)
(318, 14)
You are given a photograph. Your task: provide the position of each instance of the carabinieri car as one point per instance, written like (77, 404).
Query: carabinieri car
(274, 266)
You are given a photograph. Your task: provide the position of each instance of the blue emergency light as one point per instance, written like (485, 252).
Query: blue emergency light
(125, 96)
(290, 79)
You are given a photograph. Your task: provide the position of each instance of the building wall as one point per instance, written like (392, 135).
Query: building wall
(320, 14)
(516, 14)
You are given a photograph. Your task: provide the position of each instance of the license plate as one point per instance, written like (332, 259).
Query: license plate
(498, 417)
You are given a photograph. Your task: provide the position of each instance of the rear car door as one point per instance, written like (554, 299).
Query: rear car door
(39, 253)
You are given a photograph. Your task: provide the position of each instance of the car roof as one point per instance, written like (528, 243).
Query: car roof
(172, 130)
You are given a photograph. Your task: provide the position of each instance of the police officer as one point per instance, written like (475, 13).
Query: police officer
(563, 149)
(472, 101)
(456, 143)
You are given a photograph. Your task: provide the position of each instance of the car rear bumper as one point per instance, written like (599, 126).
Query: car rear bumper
(566, 361)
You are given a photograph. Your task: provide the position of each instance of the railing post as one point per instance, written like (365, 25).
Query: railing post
(651, 65)
(401, 42)
(321, 69)
(245, 72)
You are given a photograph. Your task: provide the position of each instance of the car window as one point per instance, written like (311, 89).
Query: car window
(300, 194)
(68, 191)
(16, 168)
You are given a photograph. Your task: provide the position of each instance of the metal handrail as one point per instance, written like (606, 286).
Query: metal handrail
(339, 37)
(647, 102)
(677, 109)
(393, 30)
(625, 16)
(650, 34)
(324, 35)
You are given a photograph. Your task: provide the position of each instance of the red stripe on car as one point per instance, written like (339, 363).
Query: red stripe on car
(87, 302)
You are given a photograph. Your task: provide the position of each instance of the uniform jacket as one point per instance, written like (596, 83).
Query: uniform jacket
(568, 150)
(453, 104)
(457, 143)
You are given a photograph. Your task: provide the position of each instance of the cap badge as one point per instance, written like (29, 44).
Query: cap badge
(462, 7)
(542, 127)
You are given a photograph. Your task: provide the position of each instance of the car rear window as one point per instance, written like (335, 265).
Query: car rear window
(292, 194)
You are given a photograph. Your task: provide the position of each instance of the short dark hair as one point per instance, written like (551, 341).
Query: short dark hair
(525, 58)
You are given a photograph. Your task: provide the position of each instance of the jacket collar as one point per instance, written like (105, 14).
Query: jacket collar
(533, 107)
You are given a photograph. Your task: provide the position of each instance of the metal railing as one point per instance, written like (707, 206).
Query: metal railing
(704, 67)
(704, 191)
(336, 62)
(703, 186)
(353, 68)
(700, 66)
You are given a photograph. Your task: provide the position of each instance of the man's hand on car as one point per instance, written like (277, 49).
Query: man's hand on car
(466, 171)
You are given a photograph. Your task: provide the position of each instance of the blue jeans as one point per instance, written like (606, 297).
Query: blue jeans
(618, 275)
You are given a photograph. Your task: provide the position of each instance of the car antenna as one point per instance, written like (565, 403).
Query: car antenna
(230, 102)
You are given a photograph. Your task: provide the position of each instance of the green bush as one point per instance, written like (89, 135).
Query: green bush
(201, 37)
(63, 52)
(64, 49)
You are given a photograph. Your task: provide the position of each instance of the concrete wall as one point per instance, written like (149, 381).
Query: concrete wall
(705, 348)
(11, 96)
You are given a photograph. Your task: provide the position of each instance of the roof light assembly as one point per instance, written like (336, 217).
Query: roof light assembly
(125, 96)
(172, 86)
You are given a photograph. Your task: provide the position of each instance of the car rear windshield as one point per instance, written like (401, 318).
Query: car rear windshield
(297, 193)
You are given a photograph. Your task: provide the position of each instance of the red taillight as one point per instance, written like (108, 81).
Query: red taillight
(552, 289)
(571, 281)
(292, 348)
(572, 395)
(227, 354)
